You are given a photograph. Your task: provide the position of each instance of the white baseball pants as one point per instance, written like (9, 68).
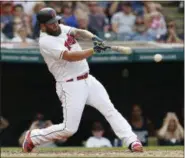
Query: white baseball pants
(74, 95)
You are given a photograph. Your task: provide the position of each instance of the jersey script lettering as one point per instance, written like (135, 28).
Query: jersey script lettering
(70, 41)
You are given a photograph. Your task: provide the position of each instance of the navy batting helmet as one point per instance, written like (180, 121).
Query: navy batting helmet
(47, 16)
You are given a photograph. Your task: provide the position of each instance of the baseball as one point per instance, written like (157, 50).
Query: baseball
(158, 57)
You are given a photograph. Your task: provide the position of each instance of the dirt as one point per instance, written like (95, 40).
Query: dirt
(102, 154)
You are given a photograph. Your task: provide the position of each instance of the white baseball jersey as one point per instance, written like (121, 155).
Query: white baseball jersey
(98, 142)
(52, 49)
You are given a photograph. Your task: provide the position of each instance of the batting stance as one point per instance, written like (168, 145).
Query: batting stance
(75, 87)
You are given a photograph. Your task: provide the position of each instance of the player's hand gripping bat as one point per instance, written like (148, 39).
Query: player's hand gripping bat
(100, 44)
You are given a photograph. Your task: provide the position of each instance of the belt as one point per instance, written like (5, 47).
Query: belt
(79, 77)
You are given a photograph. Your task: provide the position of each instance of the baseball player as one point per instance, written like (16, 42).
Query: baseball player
(75, 87)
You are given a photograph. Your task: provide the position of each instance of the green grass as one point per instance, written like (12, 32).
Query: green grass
(100, 149)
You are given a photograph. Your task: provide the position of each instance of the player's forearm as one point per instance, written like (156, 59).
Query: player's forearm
(77, 55)
(82, 34)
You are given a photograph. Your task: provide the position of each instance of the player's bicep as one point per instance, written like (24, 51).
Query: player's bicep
(54, 50)
(65, 55)
(71, 56)
(56, 54)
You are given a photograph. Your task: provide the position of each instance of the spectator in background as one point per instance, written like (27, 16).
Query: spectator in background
(171, 36)
(141, 31)
(141, 126)
(137, 7)
(171, 132)
(39, 123)
(154, 19)
(103, 6)
(7, 18)
(35, 26)
(157, 27)
(112, 8)
(123, 22)
(21, 20)
(83, 21)
(4, 131)
(3, 124)
(97, 20)
(2, 35)
(97, 140)
(21, 37)
(68, 15)
(115, 141)
(83, 6)
(27, 6)
(150, 7)
(56, 5)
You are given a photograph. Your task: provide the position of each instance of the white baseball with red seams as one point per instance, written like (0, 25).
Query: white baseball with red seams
(158, 57)
(74, 95)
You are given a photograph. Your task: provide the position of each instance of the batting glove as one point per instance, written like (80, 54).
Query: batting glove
(97, 41)
(100, 48)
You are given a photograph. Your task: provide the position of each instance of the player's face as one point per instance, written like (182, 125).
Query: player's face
(53, 29)
(98, 134)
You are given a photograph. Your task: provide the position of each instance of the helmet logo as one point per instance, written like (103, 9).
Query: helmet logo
(52, 13)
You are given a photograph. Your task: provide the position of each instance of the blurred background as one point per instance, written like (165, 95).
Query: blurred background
(150, 95)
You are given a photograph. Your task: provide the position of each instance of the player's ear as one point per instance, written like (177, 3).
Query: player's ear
(43, 27)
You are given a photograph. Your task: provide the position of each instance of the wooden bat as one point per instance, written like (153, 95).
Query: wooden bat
(121, 49)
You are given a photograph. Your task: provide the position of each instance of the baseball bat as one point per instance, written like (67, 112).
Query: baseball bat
(121, 49)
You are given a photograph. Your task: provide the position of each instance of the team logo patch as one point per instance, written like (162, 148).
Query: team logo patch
(70, 41)
(52, 13)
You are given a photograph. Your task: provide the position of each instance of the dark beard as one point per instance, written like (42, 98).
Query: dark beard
(54, 33)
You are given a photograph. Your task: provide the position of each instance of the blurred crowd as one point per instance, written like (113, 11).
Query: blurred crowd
(170, 132)
(110, 20)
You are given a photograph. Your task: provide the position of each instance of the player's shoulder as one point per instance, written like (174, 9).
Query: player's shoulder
(64, 26)
(45, 39)
(43, 36)
(65, 29)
